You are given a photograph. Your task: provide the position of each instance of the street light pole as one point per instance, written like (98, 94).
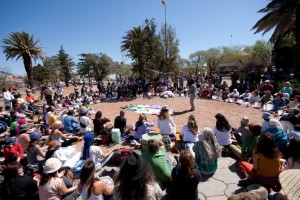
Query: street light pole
(166, 41)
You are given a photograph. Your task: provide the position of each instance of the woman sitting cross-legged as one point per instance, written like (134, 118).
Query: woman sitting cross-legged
(141, 127)
(136, 180)
(267, 163)
(166, 124)
(189, 133)
(207, 152)
(94, 153)
(56, 134)
(185, 178)
(92, 188)
(157, 158)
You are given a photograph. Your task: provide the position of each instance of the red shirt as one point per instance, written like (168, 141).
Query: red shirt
(12, 149)
(28, 98)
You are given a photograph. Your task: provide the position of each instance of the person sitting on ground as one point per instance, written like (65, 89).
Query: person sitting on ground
(51, 116)
(56, 134)
(94, 153)
(254, 99)
(166, 124)
(120, 122)
(70, 123)
(267, 86)
(293, 104)
(34, 150)
(250, 141)
(293, 154)
(276, 129)
(16, 185)
(222, 130)
(141, 127)
(12, 150)
(51, 184)
(23, 110)
(84, 121)
(99, 122)
(234, 94)
(243, 131)
(267, 97)
(287, 88)
(29, 97)
(189, 133)
(245, 96)
(296, 133)
(278, 102)
(32, 106)
(157, 158)
(136, 180)
(185, 178)
(288, 121)
(92, 187)
(266, 123)
(207, 151)
(267, 163)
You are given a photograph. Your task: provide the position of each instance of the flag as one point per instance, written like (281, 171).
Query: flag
(163, 2)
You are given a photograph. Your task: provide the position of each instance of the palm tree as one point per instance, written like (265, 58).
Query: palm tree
(21, 44)
(284, 17)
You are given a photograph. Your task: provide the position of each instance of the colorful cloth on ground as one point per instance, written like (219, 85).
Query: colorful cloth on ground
(148, 109)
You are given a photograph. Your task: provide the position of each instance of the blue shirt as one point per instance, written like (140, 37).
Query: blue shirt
(278, 103)
(142, 129)
(280, 137)
(70, 124)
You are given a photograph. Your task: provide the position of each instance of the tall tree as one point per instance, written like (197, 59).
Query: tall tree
(197, 61)
(282, 16)
(22, 45)
(65, 63)
(213, 58)
(41, 74)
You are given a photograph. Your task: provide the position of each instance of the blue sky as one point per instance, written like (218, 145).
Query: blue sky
(96, 26)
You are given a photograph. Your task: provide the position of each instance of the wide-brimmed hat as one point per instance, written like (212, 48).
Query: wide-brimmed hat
(10, 140)
(266, 115)
(24, 127)
(135, 167)
(289, 180)
(35, 136)
(52, 165)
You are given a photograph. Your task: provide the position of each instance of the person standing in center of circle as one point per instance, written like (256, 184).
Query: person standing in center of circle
(192, 93)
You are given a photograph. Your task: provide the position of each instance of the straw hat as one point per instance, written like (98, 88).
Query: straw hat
(52, 165)
(289, 180)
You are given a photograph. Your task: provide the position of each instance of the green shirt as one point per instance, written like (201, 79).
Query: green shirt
(159, 165)
(13, 126)
(248, 146)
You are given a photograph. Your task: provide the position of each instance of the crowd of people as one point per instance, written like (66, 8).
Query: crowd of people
(264, 151)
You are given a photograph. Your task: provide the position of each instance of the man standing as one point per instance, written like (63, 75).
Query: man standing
(192, 93)
(120, 122)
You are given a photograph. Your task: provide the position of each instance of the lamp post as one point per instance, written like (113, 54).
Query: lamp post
(166, 41)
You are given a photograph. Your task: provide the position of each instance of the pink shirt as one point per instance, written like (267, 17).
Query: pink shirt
(51, 190)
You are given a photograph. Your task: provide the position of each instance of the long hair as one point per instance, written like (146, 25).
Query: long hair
(266, 146)
(164, 114)
(211, 147)
(222, 123)
(11, 171)
(192, 123)
(140, 122)
(136, 190)
(46, 178)
(98, 115)
(187, 164)
(87, 176)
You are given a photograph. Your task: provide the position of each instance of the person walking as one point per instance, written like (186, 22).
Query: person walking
(192, 93)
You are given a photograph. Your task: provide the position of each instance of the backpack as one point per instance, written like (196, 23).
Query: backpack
(119, 156)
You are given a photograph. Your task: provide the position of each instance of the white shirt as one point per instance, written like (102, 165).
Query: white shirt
(95, 156)
(166, 126)
(223, 137)
(8, 96)
(188, 135)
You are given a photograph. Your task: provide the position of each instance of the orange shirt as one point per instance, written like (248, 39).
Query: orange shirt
(28, 98)
(268, 167)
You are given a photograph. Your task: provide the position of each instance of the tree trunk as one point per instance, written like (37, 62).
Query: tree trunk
(28, 67)
(297, 63)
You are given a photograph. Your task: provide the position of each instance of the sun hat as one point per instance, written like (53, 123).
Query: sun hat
(135, 167)
(35, 136)
(289, 180)
(24, 127)
(52, 165)
(10, 140)
(266, 115)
